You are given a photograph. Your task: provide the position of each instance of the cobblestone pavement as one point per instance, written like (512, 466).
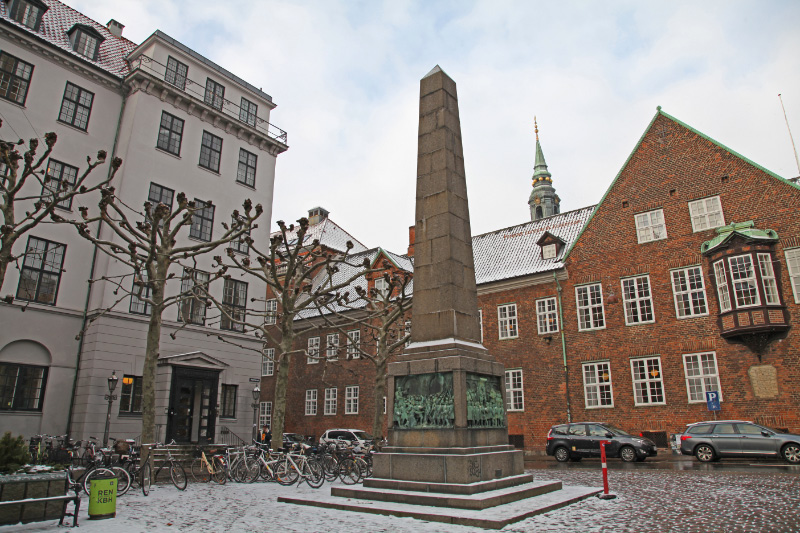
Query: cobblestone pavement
(680, 501)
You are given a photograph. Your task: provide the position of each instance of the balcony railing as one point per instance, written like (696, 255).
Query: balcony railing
(198, 92)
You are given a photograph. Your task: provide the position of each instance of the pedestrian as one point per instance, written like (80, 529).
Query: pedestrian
(265, 436)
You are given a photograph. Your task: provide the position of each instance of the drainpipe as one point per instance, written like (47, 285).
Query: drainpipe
(563, 347)
(85, 316)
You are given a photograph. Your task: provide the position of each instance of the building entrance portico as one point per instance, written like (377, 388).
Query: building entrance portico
(192, 408)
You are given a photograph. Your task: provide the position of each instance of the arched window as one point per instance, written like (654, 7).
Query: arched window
(24, 366)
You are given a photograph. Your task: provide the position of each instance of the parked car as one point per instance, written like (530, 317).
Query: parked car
(712, 440)
(355, 436)
(572, 442)
(292, 438)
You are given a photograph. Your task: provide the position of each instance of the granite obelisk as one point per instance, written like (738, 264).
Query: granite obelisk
(446, 392)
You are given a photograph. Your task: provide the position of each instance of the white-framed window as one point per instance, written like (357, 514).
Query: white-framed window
(268, 362)
(311, 402)
(768, 280)
(381, 286)
(330, 401)
(706, 214)
(723, 292)
(271, 316)
(332, 347)
(547, 315)
(591, 314)
(793, 262)
(650, 226)
(265, 414)
(549, 251)
(351, 400)
(515, 400)
(480, 322)
(384, 405)
(638, 300)
(689, 291)
(312, 352)
(507, 321)
(353, 344)
(702, 375)
(743, 275)
(407, 331)
(597, 388)
(648, 383)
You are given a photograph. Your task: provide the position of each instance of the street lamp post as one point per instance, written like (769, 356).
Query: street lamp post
(110, 397)
(256, 397)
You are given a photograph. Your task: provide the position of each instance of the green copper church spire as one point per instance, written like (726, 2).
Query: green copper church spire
(539, 166)
(543, 201)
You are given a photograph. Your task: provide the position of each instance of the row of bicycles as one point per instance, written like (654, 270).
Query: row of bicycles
(61, 450)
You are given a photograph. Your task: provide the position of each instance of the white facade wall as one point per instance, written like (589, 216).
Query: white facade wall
(125, 122)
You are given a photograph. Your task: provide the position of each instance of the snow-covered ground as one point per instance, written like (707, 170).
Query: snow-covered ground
(648, 500)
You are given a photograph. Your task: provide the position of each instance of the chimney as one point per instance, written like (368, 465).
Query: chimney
(412, 236)
(317, 215)
(115, 28)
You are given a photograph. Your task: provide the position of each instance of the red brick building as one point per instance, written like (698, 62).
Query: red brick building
(684, 279)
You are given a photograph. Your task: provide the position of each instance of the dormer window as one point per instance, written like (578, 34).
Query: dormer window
(550, 245)
(27, 12)
(549, 251)
(85, 40)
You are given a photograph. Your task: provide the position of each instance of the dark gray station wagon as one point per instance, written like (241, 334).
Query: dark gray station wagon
(709, 441)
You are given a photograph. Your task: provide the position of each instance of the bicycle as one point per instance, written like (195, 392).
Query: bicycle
(298, 467)
(96, 469)
(177, 473)
(204, 470)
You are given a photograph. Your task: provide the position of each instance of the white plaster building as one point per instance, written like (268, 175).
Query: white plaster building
(180, 123)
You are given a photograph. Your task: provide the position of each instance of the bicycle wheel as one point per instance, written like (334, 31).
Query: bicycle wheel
(144, 478)
(123, 479)
(349, 472)
(330, 467)
(178, 476)
(315, 476)
(200, 471)
(220, 470)
(133, 471)
(249, 469)
(91, 473)
(285, 473)
(363, 467)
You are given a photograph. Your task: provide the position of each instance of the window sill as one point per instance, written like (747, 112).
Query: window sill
(590, 329)
(599, 407)
(166, 152)
(72, 127)
(198, 239)
(641, 323)
(209, 170)
(129, 415)
(246, 186)
(14, 102)
(18, 412)
(509, 338)
(691, 316)
(649, 404)
(228, 418)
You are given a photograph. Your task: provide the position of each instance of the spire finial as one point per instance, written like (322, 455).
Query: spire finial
(535, 127)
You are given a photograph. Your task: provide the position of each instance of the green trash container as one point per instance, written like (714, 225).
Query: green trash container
(102, 496)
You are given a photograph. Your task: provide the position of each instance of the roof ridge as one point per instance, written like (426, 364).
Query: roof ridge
(551, 217)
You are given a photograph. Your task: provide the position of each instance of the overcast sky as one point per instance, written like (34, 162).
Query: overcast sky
(345, 76)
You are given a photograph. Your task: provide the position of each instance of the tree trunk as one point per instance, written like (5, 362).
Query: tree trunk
(281, 385)
(380, 393)
(5, 258)
(151, 353)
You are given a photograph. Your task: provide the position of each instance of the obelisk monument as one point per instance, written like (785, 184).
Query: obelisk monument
(446, 404)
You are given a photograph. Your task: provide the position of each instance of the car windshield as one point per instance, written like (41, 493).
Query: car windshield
(293, 437)
(362, 435)
(616, 431)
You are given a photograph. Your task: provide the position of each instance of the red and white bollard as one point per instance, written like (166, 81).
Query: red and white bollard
(605, 495)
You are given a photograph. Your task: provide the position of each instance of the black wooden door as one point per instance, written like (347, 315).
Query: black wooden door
(192, 406)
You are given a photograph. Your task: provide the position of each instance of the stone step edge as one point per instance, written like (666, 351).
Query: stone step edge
(448, 488)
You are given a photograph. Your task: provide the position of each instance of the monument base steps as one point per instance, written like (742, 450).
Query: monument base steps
(492, 509)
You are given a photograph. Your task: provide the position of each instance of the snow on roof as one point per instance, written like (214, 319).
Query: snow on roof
(355, 264)
(513, 252)
(60, 18)
(330, 235)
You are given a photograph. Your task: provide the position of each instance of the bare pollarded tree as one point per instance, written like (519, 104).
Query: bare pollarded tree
(153, 248)
(383, 314)
(299, 273)
(30, 191)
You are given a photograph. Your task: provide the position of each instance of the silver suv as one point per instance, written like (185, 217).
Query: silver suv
(712, 440)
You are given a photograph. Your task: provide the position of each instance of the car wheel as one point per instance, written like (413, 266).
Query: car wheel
(704, 453)
(562, 454)
(791, 453)
(627, 454)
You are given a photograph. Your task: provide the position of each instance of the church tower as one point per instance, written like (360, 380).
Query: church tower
(544, 201)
